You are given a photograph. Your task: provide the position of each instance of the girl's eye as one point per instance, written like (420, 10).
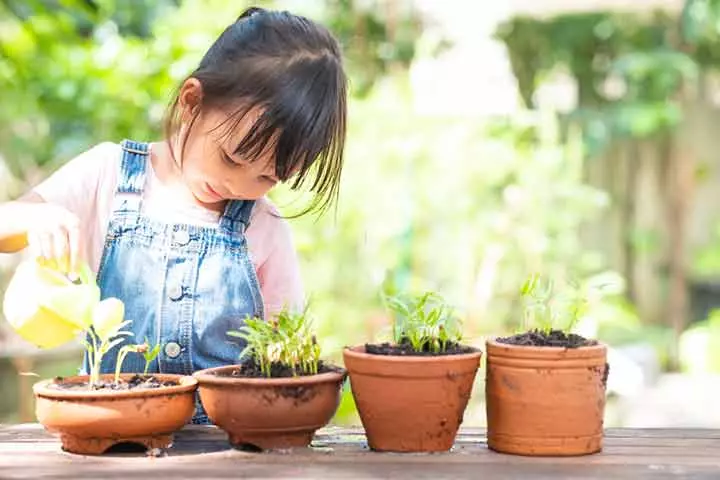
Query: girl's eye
(265, 178)
(229, 160)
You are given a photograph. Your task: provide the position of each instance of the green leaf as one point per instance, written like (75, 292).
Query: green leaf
(109, 346)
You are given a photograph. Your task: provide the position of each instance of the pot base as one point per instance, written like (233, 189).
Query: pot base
(271, 440)
(545, 446)
(98, 446)
(415, 446)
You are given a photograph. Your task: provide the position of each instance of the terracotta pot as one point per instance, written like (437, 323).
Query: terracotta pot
(90, 422)
(411, 403)
(545, 400)
(269, 412)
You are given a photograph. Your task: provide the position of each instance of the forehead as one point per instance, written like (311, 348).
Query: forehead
(232, 127)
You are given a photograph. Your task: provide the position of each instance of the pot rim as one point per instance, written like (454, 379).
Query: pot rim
(493, 342)
(209, 377)
(187, 384)
(358, 352)
(493, 347)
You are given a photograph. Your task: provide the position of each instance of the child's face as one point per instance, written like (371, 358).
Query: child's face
(211, 169)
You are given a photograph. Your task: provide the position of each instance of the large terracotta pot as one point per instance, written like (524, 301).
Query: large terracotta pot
(411, 403)
(545, 400)
(90, 422)
(269, 412)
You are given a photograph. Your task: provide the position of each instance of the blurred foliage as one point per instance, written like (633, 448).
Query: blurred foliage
(628, 67)
(72, 85)
(700, 346)
(374, 39)
(134, 18)
(633, 72)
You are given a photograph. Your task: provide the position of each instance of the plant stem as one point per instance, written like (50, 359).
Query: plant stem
(94, 363)
(118, 365)
(121, 358)
(96, 369)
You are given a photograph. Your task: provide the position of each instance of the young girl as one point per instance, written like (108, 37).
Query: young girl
(180, 230)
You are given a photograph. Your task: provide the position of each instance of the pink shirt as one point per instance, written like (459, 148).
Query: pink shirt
(86, 185)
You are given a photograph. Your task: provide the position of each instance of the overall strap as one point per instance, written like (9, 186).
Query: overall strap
(131, 181)
(236, 217)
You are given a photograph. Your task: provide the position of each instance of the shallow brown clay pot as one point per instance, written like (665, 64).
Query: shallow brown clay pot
(90, 422)
(545, 401)
(269, 413)
(413, 403)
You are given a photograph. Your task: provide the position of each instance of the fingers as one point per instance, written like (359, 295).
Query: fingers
(58, 245)
(75, 247)
(60, 252)
(35, 246)
(43, 247)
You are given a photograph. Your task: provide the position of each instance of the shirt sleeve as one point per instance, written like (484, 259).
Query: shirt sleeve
(278, 268)
(75, 187)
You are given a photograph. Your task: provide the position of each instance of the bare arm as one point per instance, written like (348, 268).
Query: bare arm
(13, 222)
(50, 230)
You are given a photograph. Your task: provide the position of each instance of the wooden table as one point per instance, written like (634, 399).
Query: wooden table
(26, 451)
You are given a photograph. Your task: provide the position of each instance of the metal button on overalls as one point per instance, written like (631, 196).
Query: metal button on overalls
(172, 350)
(182, 237)
(176, 292)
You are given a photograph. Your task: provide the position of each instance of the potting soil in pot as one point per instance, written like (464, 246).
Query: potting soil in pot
(405, 349)
(277, 370)
(137, 382)
(553, 338)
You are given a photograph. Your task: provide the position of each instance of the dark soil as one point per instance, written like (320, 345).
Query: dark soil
(554, 338)
(252, 370)
(605, 375)
(137, 382)
(405, 349)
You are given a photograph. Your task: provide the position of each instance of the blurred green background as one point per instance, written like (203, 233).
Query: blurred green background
(575, 138)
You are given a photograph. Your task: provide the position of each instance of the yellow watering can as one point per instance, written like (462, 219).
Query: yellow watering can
(45, 307)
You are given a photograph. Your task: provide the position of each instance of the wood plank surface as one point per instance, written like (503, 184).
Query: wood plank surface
(27, 451)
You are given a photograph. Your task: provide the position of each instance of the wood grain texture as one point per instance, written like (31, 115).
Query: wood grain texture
(27, 451)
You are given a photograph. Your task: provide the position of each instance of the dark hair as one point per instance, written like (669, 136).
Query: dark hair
(291, 68)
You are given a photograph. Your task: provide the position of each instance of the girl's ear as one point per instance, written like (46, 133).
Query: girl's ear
(190, 98)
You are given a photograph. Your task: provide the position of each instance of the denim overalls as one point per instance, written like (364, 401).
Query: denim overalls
(184, 286)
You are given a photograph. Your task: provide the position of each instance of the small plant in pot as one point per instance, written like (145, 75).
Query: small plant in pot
(280, 393)
(411, 393)
(91, 413)
(545, 387)
(95, 412)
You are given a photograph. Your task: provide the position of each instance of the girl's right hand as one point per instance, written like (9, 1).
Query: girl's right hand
(54, 236)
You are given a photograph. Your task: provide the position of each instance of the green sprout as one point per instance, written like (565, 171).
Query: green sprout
(149, 354)
(424, 321)
(285, 340)
(547, 308)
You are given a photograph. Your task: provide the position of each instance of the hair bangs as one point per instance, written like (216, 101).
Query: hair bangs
(309, 110)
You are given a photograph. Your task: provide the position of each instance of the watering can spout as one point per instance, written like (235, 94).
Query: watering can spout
(47, 308)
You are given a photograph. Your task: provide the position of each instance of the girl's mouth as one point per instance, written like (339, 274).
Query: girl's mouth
(212, 192)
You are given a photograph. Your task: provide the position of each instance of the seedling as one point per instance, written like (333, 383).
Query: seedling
(105, 332)
(149, 354)
(546, 308)
(424, 321)
(285, 340)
